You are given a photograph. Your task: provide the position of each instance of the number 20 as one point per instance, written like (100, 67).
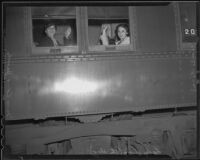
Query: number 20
(190, 31)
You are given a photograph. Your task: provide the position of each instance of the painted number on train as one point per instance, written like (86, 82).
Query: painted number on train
(190, 32)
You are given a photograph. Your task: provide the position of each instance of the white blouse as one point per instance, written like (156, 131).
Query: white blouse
(125, 41)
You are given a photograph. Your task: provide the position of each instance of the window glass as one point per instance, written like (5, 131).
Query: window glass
(108, 26)
(53, 11)
(188, 22)
(108, 12)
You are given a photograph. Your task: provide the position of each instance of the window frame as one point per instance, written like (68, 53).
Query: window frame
(181, 44)
(114, 48)
(51, 50)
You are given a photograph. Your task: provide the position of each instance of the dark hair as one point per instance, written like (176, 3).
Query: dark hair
(124, 25)
(49, 25)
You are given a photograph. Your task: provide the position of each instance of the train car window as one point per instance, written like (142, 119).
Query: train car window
(54, 29)
(188, 22)
(108, 28)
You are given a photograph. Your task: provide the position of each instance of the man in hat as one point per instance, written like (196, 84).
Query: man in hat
(49, 39)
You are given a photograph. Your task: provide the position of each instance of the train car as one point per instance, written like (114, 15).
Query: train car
(100, 80)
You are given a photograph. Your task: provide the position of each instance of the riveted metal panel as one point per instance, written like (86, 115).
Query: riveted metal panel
(40, 90)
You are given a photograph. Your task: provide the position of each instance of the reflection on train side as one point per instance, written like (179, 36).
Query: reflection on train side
(74, 85)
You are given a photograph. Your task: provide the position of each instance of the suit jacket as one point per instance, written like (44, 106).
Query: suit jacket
(47, 42)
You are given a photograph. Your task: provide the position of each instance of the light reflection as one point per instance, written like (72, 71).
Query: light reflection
(82, 86)
(76, 86)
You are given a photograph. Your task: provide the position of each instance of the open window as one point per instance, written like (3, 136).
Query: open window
(116, 21)
(54, 30)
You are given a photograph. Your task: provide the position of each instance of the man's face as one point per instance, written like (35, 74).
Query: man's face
(51, 30)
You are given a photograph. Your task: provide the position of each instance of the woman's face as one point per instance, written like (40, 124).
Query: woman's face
(122, 33)
(68, 32)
